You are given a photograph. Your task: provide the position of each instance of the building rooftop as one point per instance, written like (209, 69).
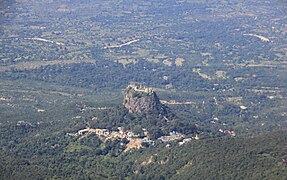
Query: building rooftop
(140, 88)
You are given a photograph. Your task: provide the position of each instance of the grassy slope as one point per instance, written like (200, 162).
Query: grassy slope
(225, 158)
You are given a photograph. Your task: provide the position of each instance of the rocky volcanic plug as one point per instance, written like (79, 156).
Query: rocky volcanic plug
(142, 100)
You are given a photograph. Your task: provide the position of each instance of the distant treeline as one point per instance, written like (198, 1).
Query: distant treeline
(107, 74)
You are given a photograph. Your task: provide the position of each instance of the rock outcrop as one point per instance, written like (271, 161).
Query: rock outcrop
(142, 100)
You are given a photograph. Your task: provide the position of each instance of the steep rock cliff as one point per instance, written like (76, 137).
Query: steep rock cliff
(140, 101)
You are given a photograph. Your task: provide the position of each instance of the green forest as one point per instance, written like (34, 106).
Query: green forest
(217, 67)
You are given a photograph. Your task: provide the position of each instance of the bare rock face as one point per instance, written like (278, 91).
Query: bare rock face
(142, 101)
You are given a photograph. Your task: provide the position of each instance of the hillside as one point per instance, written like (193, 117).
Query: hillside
(259, 157)
(262, 157)
(211, 103)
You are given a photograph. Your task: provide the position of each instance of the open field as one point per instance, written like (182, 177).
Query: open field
(218, 67)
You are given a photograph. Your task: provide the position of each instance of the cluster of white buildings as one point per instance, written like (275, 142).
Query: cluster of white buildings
(140, 88)
(105, 133)
(176, 136)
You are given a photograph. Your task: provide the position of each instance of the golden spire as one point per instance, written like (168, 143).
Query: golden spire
(196, 137)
